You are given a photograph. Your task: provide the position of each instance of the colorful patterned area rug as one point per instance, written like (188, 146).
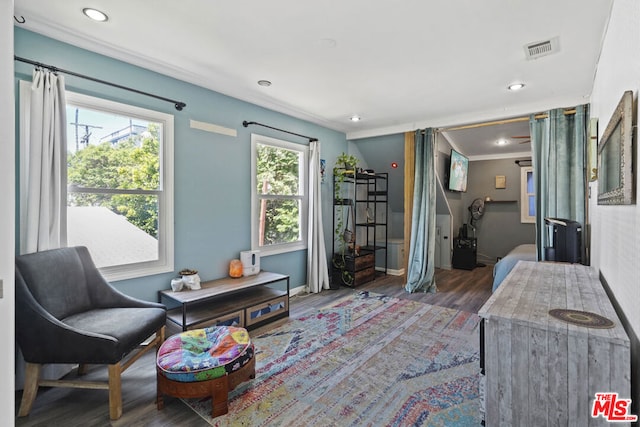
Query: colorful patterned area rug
(365, 360)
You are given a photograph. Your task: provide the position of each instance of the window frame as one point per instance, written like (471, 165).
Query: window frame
(525, 218)
(302, 196)
(165, 192)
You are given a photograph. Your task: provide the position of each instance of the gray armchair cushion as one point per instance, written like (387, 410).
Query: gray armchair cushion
(66, 312)
(57, 281)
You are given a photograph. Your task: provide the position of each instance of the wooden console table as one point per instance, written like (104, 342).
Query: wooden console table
(540, 371)
(246, 301)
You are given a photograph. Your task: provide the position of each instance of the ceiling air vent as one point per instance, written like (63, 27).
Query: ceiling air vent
(542, 48)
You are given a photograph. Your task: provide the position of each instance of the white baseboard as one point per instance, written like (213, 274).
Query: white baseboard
(392, 271)
(299, 290)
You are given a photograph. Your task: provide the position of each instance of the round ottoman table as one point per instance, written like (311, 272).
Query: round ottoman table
(205, 362)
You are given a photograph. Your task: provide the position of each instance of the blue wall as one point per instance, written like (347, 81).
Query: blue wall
(380, 152)
(212, 171)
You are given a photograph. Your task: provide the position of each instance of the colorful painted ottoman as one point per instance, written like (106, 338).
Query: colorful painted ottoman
(205, 362)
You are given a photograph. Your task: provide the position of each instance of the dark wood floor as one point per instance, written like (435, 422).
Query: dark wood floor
(459, 289)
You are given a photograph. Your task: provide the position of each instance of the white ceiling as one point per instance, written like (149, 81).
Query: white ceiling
(481, 143)
(399, 65)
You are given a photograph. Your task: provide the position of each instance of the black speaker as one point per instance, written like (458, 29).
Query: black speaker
(464, 254)
(566, 240)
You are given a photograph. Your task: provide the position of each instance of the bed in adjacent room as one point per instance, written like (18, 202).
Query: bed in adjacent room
(526, 252)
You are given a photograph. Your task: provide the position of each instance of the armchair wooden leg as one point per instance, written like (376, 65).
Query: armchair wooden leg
(82, 369)
(162, 333)
(31, 378)
(115, 391)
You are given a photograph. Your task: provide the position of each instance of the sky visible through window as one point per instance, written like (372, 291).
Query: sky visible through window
(94, 125)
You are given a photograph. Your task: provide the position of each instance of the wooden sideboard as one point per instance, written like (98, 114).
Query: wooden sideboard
(541, 371)
(247, 302)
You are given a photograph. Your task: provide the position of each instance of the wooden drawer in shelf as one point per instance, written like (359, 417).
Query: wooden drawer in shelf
(357, 263)
(363, 261)
(364, 276)
(266, 310)
(356, 278)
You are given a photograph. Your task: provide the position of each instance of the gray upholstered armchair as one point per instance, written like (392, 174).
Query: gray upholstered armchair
(66, 312)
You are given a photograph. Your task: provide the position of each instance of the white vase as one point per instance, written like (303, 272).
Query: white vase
(192, 281)
(177, 284)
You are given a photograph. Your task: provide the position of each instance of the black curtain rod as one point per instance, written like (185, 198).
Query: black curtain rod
(246, 124)
(518, 162)
(178, 104)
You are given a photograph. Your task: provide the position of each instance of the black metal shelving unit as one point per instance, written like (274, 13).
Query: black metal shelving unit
(364, 196)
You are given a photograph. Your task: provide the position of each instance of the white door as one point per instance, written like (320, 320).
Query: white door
(437, 259)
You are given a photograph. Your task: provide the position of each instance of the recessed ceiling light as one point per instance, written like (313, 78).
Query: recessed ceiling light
(355, 118)
(95, 14)
(515, 86)
(265, 83)
(502, 142)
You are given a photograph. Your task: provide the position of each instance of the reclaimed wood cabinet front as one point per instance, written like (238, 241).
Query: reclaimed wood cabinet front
(541, 371)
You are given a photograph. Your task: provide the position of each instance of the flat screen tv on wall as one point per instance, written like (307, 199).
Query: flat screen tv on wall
(458, 171)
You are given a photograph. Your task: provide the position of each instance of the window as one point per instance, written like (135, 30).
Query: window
(527, 196)
(120, 185)
(278, 195)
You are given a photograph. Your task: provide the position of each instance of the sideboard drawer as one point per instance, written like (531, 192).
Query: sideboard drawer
(232, 319)
(265, 310)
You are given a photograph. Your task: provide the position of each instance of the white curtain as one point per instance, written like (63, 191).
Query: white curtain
(43, 166)
(317, 270)
(43, 193)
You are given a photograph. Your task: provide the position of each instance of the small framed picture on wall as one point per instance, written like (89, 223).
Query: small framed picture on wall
(501, 181)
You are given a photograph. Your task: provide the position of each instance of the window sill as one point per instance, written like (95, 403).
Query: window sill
(115, 274)
(277, 250)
